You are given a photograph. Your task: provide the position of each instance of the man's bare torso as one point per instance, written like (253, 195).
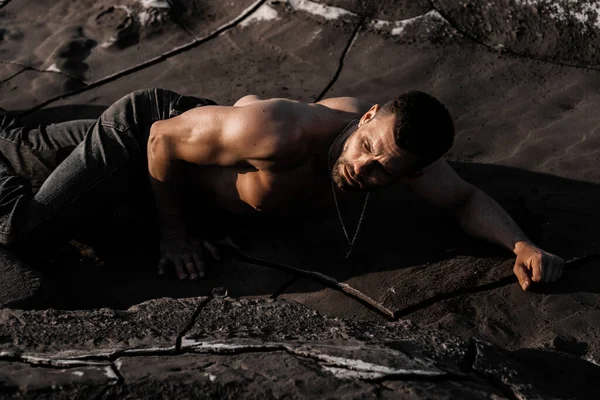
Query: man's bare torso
(289, 172)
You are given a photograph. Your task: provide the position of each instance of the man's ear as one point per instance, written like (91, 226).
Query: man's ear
(368, 115)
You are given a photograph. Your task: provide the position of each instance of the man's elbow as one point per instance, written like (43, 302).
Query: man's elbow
(465, 200)
(159, 152)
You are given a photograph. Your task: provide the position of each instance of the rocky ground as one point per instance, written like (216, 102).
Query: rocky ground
(423, 313)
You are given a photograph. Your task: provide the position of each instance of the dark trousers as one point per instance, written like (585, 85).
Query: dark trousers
(57, 176)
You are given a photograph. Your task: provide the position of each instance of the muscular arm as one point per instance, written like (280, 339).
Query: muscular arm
(212, 136)
(477, 213)
(195, 137)
(198, 137)
(482, 217)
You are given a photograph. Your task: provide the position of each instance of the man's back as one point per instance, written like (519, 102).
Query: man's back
(266, 155)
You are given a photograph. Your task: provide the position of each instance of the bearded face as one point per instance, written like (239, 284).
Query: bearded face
(370, 159)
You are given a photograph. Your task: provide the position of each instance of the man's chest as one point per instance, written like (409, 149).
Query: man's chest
(270, 189)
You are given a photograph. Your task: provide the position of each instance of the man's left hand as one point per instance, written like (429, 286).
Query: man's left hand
(536, 265)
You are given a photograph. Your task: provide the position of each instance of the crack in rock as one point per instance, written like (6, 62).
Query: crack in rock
(284, 287)
(499, 48)
(573, 263)
(255, 12)
(341, 367)
(13, 75)
(110, 370)
(52, 69)
(260, 11)
(115, 374)
(191, 324)
(341, 62)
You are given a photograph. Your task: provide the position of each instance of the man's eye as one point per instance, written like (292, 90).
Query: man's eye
(366, 146)
(385, 171)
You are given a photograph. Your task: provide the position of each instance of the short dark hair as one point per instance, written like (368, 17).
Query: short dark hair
(423, 125)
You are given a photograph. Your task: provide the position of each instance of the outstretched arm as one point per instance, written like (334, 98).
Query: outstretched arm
(482, 217)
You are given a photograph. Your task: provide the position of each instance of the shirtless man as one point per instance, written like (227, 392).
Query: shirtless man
(258, 156)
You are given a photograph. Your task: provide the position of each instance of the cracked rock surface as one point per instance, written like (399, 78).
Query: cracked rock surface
(275, 349)
(424, 313)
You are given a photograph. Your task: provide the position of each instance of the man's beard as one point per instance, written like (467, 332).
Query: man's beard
(339, 180)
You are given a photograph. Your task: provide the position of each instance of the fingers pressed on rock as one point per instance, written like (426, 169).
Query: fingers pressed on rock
(180, 268)
(199, 265)
(537, 272)
(520, 270)
(190, 266)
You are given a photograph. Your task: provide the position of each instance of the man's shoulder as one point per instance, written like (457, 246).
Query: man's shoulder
(347, 104)
(266, 128)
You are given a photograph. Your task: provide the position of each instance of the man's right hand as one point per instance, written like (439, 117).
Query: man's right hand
(185, 253)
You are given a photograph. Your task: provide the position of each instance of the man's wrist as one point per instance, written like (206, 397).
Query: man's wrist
(521, 244)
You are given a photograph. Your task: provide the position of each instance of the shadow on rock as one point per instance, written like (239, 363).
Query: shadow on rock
(555, 370)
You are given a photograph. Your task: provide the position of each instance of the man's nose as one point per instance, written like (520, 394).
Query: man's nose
(362, 168)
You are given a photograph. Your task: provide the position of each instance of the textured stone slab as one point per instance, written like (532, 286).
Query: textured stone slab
(306, 52)
(88, 41)
(514, 372)
(56, 334)
(406, 291)
(19, 282)
(20, 380)
(562, 317)
(253, 375)
(202, 18)
(553, 30)
(282, 321)
(280, 348)
(271, 375)
(93, 39)
(443, 390)
(346, 359)
(268, 319)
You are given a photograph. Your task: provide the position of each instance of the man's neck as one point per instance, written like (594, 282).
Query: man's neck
(339, 140)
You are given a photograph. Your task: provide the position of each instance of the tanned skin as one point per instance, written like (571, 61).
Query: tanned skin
(269, 156)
